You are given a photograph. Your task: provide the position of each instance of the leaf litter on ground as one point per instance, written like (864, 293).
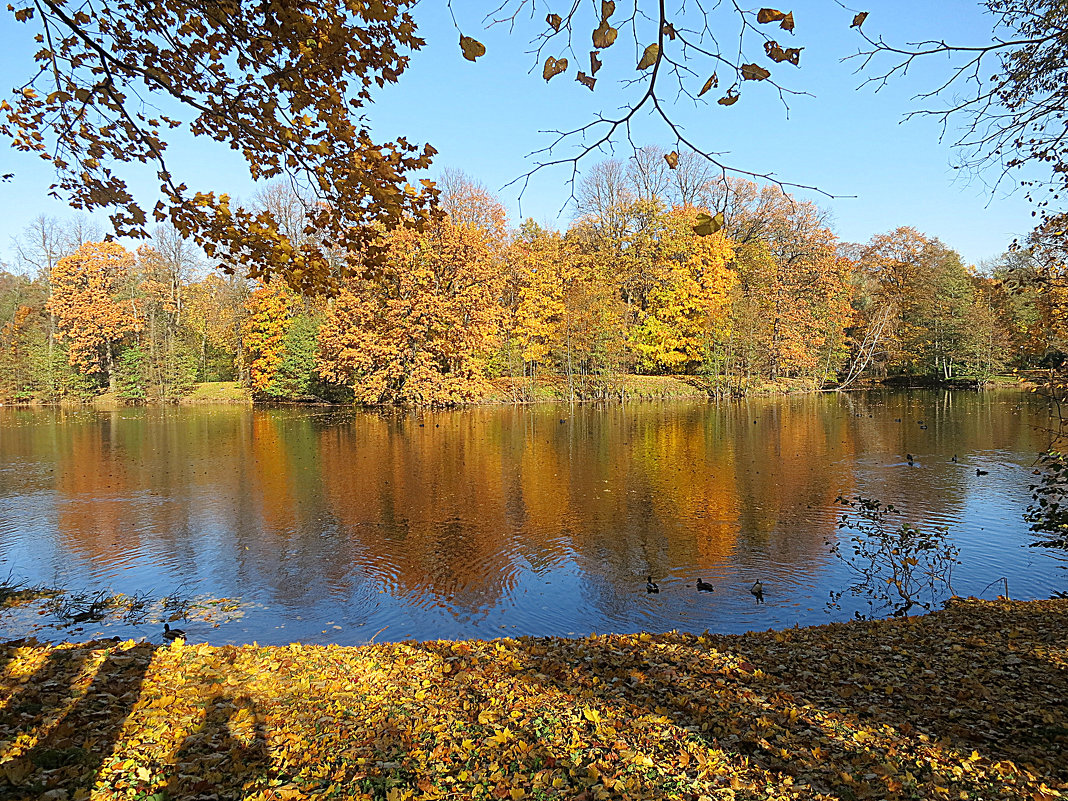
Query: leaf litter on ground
(970, 702)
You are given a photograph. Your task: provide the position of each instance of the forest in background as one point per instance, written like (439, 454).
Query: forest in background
(772, 299)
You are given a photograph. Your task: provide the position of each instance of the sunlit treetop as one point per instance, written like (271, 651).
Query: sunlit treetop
(287, 85)
(281, 83)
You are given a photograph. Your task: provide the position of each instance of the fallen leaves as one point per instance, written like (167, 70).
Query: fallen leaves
(886, 709)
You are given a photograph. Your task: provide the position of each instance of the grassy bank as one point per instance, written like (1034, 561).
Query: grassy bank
(968, 703)
(629, 387)
(548, 390)
(625, 387)
(217, 392)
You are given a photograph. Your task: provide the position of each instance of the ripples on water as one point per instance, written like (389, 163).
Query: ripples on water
(338, 526)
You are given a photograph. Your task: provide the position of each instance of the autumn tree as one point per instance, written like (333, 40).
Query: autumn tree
(992, 335)
(931, 294)
(542, 272)
(589, 343)
(15, 340)
(685, 322)
(296, 376)
(43, 243)
(281, 85)
(94, 308)
(793, 286)
(168, 363)
(264, 330)
(288, 88)
(420, 332)
(213, 315)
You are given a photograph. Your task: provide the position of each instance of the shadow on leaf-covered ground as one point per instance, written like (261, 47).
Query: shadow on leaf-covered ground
(967, 701)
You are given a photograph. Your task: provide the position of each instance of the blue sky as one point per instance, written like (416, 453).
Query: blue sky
(485, 117)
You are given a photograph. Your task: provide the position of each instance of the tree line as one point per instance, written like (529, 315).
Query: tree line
(467, 304)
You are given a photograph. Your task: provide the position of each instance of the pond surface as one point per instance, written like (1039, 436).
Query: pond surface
(340, 526)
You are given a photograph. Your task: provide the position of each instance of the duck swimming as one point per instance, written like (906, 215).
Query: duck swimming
(172, 634)
(758, 591)
(650, 585)
(704, 586)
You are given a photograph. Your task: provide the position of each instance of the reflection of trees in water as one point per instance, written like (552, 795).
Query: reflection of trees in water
(790, 463)
(428, 505)
(623, 491)
(94, 487)
(452, 510)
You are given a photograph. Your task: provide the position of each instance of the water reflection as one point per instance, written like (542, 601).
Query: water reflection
(541, 520)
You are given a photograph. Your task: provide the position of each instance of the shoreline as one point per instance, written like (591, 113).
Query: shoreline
(968, 702)
(511, 392)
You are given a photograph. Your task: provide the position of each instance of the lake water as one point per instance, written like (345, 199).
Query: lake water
(339, 526)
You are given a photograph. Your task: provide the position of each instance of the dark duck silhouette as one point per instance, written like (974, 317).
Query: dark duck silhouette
(980, 472)
(704, 586)
(758, 591)
(650, 585)
(172, 634)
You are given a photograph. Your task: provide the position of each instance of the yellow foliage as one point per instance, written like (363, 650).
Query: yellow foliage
(119, 721)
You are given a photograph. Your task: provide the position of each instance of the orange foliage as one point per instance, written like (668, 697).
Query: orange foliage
(420, 332)
(91, 302)
(795, 288)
